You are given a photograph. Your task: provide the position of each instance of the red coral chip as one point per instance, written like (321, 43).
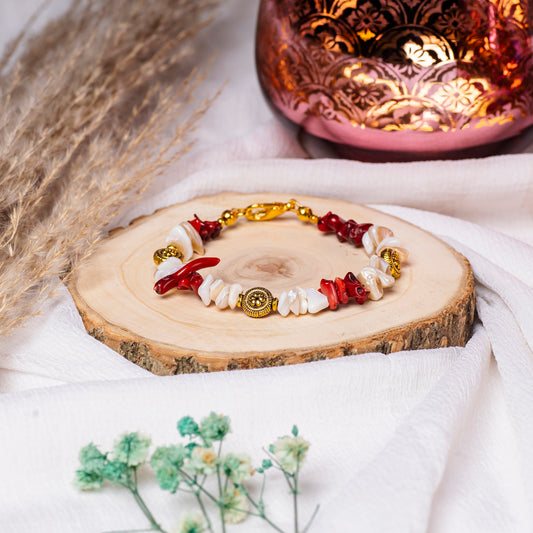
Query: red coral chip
(342, 293)
(327, 287)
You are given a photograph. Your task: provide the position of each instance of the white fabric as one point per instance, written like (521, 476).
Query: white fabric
(434, 440)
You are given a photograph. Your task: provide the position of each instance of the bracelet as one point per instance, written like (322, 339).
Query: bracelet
(187, 238)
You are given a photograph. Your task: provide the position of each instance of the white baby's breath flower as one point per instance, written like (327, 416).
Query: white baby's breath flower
(192, 522)
(290, 452)
(235, 504)
(238, 467)
(202, 461)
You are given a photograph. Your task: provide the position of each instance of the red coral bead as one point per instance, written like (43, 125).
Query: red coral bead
(208, 229)
(330, 222)
(357, 234)
(327, 288)
(342, 293)
(354, 288)
(196, 281)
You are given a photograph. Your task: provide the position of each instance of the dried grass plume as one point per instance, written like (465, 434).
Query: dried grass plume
(85, 112)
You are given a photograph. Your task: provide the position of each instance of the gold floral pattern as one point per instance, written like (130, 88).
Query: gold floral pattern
(396, 65)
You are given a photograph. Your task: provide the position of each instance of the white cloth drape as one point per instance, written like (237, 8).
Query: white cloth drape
(433, 440)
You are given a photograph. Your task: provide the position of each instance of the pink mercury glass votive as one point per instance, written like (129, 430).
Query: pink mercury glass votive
(419, 78)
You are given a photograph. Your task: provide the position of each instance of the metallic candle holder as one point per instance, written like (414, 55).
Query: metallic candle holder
(422, 78)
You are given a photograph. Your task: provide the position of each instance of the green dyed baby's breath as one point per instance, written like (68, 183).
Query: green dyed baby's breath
(214, 428)
(132, 449)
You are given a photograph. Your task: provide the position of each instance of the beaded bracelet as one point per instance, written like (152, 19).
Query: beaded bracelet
(187, 238)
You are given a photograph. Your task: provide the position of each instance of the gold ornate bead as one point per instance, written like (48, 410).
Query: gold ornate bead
(392, 257)
(257, 302)
(164, 253)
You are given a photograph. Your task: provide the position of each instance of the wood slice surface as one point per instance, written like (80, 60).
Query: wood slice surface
(431, 305)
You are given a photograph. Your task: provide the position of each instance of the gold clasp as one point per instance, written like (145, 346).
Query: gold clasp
(265, 211)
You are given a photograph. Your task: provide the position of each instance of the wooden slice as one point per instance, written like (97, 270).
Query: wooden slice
(431, 305)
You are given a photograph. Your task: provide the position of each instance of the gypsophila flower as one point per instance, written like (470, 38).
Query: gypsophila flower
(132, 449)
(290, 452)
(92, 459)
(202, 461)
(187, 426)
(191, 523)
(91, 474)
(166, 462)
(117, 472)
(214, 427)
(234, 505)
(88, 480)
(237, 467)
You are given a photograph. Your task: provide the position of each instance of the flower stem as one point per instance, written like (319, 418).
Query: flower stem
(295, 500)
(295, 497)
(260, 509)
(144, 508)
(204, 512)
(219, 480)
(311, 519)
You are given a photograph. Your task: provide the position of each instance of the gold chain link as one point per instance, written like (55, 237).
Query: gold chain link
(267, 211)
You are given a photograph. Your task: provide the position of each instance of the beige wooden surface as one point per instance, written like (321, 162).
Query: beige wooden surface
(431, 305)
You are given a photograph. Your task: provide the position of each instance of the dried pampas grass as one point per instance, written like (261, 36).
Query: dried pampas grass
(85, 112)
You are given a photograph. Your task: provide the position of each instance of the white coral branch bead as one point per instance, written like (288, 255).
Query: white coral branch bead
(233, 297)
(196, 240)
(179, 238)
(222, 299)
(369, 278)
(167, 267)
(215, 289)
(316, 301)
(204, 291)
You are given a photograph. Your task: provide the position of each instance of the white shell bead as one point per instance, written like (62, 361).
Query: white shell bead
(284, 304)
(370, 248)
(167, 267)
(196, 240)
(302, 299)
(222, 299)
(215, 289)
(393, 243)
(294, 301)
(204, 291)
(178, 236)
(386, 280)
(316, 301)
(233, 297)
(380, 264)
(369, 278)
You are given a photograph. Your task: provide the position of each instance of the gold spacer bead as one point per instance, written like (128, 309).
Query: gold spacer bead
(392, 257)
(304, 213)
(164, 253)
(228, 217)
(275, 304)
(313, 219)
